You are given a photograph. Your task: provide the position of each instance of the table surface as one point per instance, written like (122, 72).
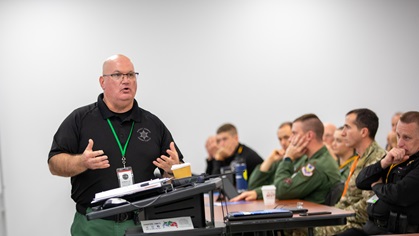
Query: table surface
(259, 205)
(337, 216)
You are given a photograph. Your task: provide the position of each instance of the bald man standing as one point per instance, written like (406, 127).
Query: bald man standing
(109, 144)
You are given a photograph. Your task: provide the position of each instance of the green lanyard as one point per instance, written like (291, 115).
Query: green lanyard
(123, 150)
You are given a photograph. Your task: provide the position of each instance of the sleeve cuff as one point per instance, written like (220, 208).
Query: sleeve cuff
(259, 193)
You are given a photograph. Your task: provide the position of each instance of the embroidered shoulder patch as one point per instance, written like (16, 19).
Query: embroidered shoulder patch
(308, 170)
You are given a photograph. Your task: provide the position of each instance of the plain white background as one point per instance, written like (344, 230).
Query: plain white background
(202, 63)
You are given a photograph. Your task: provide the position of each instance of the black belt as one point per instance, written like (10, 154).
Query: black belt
(119, 218)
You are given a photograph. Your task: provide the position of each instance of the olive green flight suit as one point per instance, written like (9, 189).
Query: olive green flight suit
(259, 178)
(310, 180)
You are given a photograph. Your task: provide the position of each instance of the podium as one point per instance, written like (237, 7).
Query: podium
(186, 201)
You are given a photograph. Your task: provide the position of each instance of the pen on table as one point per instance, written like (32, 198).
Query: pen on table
(315, 213)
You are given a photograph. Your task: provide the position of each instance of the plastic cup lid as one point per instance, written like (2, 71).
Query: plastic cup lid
(268, 187)
(178, 166)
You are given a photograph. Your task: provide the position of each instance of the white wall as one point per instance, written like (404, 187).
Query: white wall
(254, 63)
(2, 208)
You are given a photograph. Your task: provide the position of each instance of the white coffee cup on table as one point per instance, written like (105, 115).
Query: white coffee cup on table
(268, 192)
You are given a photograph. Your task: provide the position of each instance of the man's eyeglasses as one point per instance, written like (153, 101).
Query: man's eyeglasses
(119, 76)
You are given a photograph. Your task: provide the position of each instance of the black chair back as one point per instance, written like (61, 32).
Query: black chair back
(334, 194)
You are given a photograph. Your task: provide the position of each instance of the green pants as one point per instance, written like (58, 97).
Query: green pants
(83, 227)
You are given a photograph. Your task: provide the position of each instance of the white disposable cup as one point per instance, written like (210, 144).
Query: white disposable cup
(182, 170)
(268, 192)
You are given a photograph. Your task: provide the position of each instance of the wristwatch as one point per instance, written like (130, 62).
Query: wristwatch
(288, 159)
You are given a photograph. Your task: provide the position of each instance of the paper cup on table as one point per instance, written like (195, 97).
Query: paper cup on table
(182, 170)
(268, 192)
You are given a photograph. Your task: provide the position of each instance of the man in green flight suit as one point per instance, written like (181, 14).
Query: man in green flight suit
(307, 171)
(264, 174)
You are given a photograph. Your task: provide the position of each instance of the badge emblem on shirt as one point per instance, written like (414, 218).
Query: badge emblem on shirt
(308, 170)
(144, 132)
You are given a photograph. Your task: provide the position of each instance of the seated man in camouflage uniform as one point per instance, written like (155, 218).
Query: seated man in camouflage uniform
(359, 132)
(394, 208)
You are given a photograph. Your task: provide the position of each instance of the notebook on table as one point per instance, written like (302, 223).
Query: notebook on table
(261, 214)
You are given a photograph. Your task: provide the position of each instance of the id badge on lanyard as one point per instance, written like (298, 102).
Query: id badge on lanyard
(125, 176)
(373, 199)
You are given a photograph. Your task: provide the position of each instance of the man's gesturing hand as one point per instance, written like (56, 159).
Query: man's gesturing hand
(166, 162)
(94, 159)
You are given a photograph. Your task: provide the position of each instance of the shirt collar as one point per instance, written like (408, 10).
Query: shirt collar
(106, 113)
(319, 153)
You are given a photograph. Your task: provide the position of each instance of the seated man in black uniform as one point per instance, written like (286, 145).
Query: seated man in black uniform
(394, 208)
(225, 148)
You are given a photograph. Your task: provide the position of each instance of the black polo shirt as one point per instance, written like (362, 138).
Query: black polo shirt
(149, 140)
